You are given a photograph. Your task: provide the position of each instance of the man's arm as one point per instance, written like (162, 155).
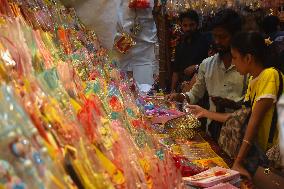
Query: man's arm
(202, 53)
(199, 88)
(191, 70)
(174, 81)
(176, 68)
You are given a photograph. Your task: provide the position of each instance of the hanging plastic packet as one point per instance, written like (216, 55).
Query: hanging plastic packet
(124, 43)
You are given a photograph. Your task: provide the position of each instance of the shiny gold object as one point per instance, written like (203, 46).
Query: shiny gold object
(267, 171)
(184, 127)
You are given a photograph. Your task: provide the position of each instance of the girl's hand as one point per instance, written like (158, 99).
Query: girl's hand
(238, 167)
(197, 111)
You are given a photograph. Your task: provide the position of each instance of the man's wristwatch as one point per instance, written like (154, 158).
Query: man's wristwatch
(196, 68)
(184, 95)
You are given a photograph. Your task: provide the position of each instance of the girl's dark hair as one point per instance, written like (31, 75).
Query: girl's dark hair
(254, 43)
(270, 24)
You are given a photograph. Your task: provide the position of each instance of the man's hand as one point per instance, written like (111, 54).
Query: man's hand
(189, 71)
(175, 97)
(187, 85)
(184, 85)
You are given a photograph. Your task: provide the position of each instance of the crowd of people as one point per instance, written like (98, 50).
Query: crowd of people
(237, 69)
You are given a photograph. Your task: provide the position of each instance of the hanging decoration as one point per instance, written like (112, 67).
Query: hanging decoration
(205, 7)
(139, 4)
(124, 43)
(127, 39)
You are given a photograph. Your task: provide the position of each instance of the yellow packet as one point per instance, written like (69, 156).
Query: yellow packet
(116, 175)
(147, 168)
(77, 107)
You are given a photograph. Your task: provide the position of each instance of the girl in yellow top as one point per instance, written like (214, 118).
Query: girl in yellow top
(264, 86)
(249, 55)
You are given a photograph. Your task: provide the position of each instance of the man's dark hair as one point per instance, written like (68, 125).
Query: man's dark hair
(191, 14)
(229, 20)
(270, 24)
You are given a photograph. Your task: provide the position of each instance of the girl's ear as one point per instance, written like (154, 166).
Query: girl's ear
(249, 58)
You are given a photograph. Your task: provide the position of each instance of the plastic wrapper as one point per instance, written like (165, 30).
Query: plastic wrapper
(212, 177)
(47, 112)
(124, 43)
(223, 186)
(198, 151)
(24, 149)
(8, 177)
(5, 8)
(187, 167)
(79, 105)
(106, 134)
(14, 40)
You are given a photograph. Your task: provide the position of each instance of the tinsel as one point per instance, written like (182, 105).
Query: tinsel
(205, 7)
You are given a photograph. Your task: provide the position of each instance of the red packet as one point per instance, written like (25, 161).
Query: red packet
(124, 43)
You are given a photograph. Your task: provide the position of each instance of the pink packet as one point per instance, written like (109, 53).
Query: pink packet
(211, 177)
(164, 119)
(223, 186)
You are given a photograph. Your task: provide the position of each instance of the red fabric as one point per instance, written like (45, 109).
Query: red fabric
(63, 36)
(88, 117)
(186, 167)
(115, 104)
(5, 8)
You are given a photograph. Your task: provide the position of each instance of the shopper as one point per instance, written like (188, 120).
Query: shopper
(190, 51)
(216, 75)
(271, 28)
(251, 56)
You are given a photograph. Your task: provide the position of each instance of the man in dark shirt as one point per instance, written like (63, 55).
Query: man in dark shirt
(191, 51)
(271, 28)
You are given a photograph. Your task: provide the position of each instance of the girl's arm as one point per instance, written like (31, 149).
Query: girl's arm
(200, 112)
(258, 113)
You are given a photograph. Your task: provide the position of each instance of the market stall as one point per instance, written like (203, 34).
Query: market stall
(68, 118)
(71, 119)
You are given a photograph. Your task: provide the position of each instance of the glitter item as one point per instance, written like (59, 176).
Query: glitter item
(184, 127)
